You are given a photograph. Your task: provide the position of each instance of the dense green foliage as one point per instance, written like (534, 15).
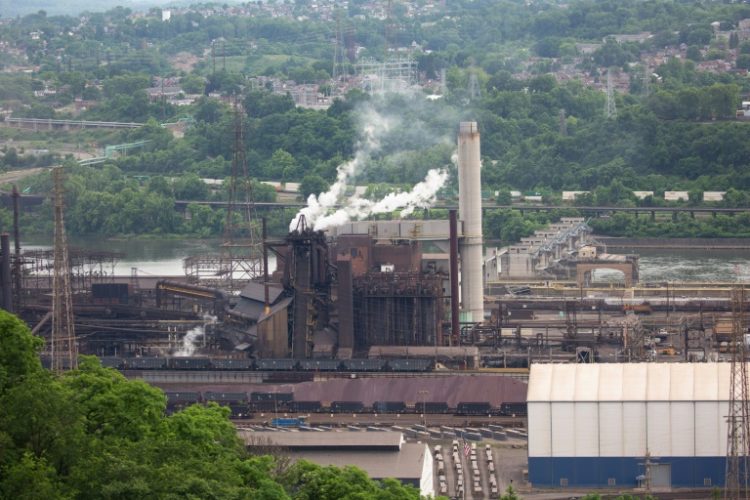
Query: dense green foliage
(675, 130)
(93, 434)
(681, 226)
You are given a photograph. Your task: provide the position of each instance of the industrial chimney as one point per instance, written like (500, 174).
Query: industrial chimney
(470, 213)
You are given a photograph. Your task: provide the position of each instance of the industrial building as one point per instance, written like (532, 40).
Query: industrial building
(656, 425)
(382, 282)
(380, 454)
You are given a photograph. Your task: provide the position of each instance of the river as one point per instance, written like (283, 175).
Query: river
(660, 265)
(150, 256)
(164, 258)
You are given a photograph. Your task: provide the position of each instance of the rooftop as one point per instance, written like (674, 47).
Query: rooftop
(407, 464)
(629, 382)
(326, 442)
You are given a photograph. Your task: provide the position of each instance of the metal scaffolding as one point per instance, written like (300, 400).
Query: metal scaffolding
(86, 267)
(394, 74)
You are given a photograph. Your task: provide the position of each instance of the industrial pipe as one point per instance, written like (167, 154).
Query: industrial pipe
(5, 276)
(455, 326)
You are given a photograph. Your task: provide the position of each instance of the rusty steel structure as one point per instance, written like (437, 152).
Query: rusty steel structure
(63, 347)
(393, 308)
(738, 420)
(37, 268)
(307, 272)
(455, 305)
(241, 256)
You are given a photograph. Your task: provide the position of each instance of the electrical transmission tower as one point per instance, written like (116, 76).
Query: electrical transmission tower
(241, 234)
(611, 110)
(240, 259)
(338, 52)
(738, 420)
(63, 349)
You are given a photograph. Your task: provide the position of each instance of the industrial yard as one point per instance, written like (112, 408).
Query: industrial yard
(413, 327)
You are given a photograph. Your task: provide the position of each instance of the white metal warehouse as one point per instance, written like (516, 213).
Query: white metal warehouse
(594, 424)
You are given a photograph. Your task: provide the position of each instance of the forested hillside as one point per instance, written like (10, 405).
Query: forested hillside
(521, 70)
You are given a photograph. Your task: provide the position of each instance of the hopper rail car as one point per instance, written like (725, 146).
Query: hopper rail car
(246, 405)
(278, 365)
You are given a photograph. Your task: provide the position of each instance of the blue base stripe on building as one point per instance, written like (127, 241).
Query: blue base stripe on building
(687, 472)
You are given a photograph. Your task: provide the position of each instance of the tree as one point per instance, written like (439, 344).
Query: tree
(125, 85)
(694, 53)
(510, 494)
(734, 40)
(190, 187)
(310, 481)
(193, 84)
(282, 165)
(19, 350)
(208, 110)
(743, 61)
(30, 479)
(312, 184)
(113, 405)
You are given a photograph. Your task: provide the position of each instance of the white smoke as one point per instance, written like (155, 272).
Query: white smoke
(421, 195)
(189, 341)
(375, 125)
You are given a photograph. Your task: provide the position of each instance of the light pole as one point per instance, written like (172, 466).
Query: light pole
(424, 393)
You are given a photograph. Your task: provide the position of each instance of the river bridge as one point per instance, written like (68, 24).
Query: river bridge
(37, 124)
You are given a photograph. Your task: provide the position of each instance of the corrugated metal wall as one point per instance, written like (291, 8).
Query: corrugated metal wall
(578, 433)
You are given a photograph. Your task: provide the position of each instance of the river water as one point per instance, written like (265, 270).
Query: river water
(151, 256)
(164, 258)
(674, 265)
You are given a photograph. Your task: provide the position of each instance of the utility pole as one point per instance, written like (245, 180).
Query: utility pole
(424, 393)
(738, 420)
(338, 51)
(17, 263)
(63, 349)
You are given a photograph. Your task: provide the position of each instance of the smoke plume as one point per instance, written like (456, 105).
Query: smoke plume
(190, 340)
(380, 127)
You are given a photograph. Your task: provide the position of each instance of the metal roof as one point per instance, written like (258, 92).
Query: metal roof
(330, 441)
(257, 291)
(629, 382)
(406, 464)
(256, 310)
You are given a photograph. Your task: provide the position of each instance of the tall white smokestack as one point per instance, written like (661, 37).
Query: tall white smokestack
(470, 212)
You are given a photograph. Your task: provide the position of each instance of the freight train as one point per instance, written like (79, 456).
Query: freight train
(246, 364)
(244, 405)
